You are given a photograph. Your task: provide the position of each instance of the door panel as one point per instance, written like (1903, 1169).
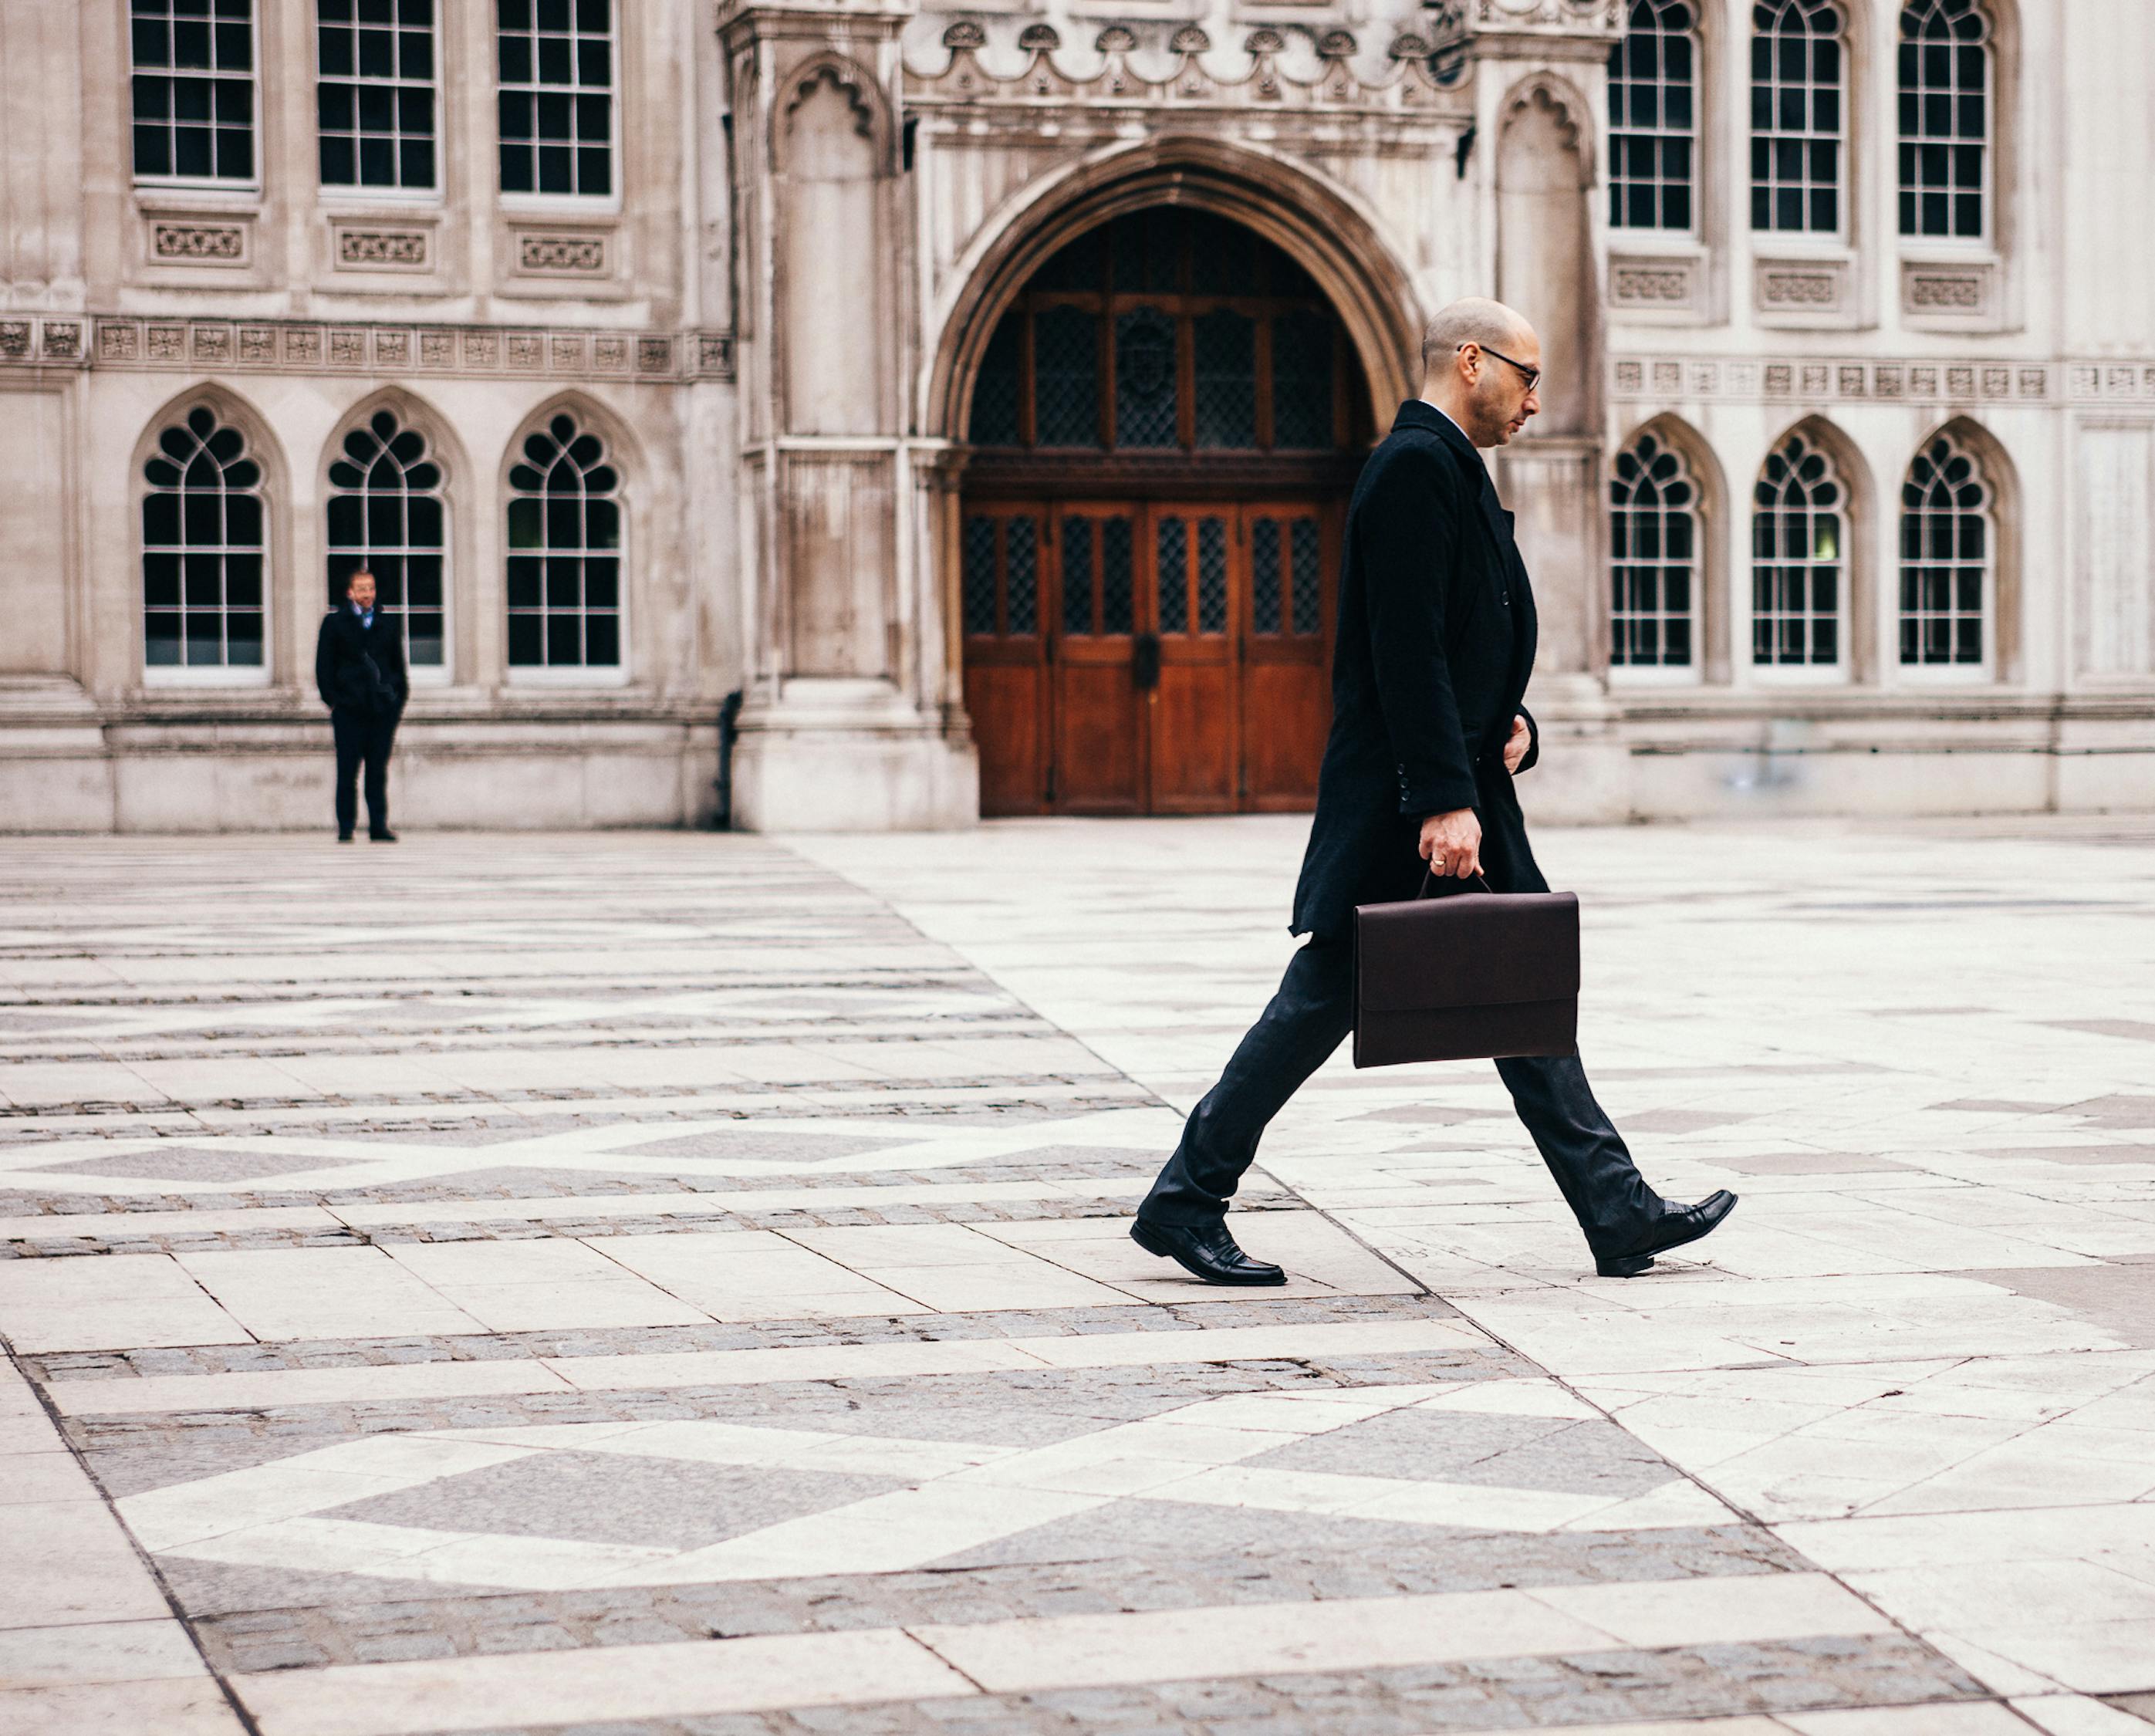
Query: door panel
(1192, 715)
(1128, 658)
(1004, 601)
(1286, 695)
(1099, 734)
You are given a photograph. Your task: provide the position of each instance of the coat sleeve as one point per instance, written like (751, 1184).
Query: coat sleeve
(1410, 532)
(325, 662)
(1533, 753)
(400, 678)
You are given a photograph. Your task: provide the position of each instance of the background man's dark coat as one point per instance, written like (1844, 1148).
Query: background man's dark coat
(1437, 641)
(358, 670)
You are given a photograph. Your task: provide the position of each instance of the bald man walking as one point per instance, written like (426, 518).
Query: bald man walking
(1436, 642)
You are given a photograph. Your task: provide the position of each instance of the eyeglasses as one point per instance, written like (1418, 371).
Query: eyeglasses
(1532, 374)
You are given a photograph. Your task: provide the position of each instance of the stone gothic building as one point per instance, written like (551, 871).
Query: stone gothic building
(976, 391)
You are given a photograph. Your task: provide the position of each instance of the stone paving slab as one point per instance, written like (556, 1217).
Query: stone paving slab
(457, 1189)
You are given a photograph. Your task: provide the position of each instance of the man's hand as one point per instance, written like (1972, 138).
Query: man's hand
(1452, 843)
(1515, 747)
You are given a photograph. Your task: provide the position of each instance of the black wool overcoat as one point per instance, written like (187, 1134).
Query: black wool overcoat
(1434, 645)
(361, 668)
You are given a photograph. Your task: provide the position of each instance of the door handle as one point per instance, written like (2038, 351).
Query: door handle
(1144, 662)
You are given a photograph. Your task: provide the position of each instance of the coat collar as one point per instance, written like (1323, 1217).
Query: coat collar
(1419, 413)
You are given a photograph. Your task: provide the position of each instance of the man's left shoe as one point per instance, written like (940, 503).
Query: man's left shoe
(1676, 1225)
(1210, 1253)
(383, 836)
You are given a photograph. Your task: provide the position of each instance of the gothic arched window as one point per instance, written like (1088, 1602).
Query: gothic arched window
(1946, 558)
(1653, 558)
(1945, 118)
(386, 515)
(1652, 119)
(563, 552)
(1797, 118)
(203, 549)
(1798, 560)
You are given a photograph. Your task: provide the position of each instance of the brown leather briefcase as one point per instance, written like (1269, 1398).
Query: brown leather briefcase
(1466, 975)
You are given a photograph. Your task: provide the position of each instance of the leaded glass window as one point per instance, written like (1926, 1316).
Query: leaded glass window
(1166, 329)
(1000, 574)
(1267, 590)
(1226, 392)
(1098, 596)
(386, 515)
(995, 395)
(1117, 575)
(565, 552)
(977, 581)
(1067, 376)
(1145, 378)
(1796, 116)
(1171, 554)
(1653, 558)
(1302, 380)
(1077, 575)
(1945, 118)
(375, 97)
(203, 549)
(555, 63)
(1307, 593)
(1946, 546)
(1798, 570)
(1212, 575)
(1652, 127)
(192, 88)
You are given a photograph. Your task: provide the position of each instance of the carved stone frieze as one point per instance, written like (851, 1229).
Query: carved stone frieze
(1001, 61)
(1954, 292)
(374, 248)
(1655, 284)
(294, 347)
(573, 255)
(1851, 380)
(190, 242)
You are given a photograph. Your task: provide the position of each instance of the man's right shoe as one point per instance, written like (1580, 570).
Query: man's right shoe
(1209, 1253)
(1676, 1225)
(344, 838)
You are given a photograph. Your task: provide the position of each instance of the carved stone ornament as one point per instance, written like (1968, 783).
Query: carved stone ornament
(395, 248)
(1655, 285)
(184, 244)
(132, 342)
(1851, 381)
(14, 339)
(579, 254)
(1421, 71)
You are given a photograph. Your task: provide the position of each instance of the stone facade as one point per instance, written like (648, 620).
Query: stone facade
(769, 321)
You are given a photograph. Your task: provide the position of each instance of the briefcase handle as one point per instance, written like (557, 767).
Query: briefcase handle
(1429, 880)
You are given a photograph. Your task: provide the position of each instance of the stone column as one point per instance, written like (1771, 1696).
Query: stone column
(844, 726)
(1540, 98)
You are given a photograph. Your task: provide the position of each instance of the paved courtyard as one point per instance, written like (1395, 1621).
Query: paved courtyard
(662, 1284)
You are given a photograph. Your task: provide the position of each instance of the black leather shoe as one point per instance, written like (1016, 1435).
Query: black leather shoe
(344, 838)
(1210, 1252)
(383, 836)
(1673, 1228)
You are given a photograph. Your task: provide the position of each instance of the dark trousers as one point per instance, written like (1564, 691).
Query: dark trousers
(362, 739)
(1307, 1019)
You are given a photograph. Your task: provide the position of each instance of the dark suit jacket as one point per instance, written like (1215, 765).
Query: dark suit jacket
(1436, 642)
(343, 653)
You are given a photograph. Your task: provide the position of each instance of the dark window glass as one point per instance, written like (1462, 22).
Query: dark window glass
(555, 69)
(202, 548)
(1651, 504)
(1945, 70)
(193, 88)
(562, 509)
(1795, 116)
(1650, 112)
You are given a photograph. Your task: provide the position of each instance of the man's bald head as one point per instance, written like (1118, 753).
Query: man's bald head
(1480, 364)
(1471, 319)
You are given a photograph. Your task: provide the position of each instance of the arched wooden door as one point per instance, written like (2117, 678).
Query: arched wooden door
(1165, 430)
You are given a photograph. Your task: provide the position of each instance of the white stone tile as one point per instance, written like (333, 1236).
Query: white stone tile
(1036, 1654)
(44, 1476)
(87, 1652)
(1721, 1610)
(756, 1275)
(114, 1226)
(325, 1292)
(119, 1708)
(1977, 1717)
(2077, 1715)
(683, 1679)
(397, 1382)
(113, 1302)
(88, 1570)
(2092, 1657)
